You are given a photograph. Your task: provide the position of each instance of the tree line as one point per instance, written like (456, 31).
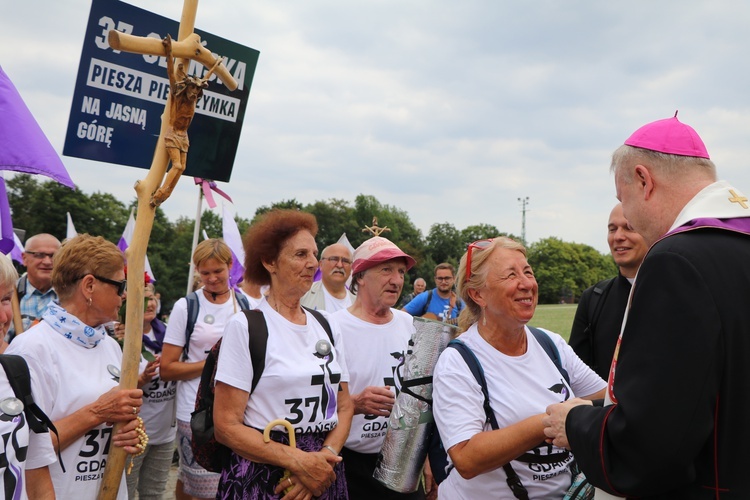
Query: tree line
(563, 269)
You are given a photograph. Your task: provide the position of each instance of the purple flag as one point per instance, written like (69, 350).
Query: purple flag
(6, 223)
(232, 238)
(23, 145)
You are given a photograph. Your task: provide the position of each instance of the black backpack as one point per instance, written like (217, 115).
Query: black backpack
(438, 455)
(19, 379)
(193, 307)
(207, 451)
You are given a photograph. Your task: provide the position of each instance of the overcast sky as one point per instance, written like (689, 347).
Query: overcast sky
(450, 111)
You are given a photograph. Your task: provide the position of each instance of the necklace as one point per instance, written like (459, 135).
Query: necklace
(216, 294)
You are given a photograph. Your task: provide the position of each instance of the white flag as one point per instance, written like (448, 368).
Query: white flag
(71, 231)
(124, 242)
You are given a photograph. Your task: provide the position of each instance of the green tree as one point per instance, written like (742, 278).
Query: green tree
(564, 270)
(445, 243)
(334, 217)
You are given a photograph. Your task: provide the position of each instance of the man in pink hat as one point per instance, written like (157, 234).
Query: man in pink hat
(674, 423)
(376, 337)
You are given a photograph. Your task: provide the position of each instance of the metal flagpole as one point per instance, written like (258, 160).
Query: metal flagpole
(196, 232)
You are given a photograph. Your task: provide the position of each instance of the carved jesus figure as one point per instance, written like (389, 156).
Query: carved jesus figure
(185, 91)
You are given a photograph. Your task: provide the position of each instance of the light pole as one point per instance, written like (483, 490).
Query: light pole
(524, 202)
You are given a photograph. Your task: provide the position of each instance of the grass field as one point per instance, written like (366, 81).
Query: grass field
(555, 317)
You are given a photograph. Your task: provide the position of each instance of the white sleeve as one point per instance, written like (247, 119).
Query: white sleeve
(41, 452)
(177, 324)
(234, 366)
(338, 343)
(458, 403)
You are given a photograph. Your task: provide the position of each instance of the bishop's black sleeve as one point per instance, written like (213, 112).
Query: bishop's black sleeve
(666, 386)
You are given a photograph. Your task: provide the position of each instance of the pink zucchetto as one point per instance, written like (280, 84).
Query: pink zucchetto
(669, 136)
(376, 250)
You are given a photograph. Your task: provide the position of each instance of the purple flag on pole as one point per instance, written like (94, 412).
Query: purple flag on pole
(6, 223)
(232, 238)
(23, 145)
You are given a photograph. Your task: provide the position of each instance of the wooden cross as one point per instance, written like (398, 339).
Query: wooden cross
(737, 199)
(374, 229)
(186, 47)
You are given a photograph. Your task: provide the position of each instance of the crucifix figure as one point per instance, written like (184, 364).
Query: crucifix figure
(185, 91)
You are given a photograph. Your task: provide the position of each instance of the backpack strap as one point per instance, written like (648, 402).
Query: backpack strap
(257, 330)
(323, 322)
(19, 379)
(258, 339)
(427, 304)
(21, 285)
(551, 349)
(242, 301)
(193, 306)
(514, 482)
(596, 302)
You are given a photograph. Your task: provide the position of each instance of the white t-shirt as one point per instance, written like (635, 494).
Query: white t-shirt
(372, 353)
(158, 410)
(519, 387)
(255, 302)
(333, 304)
(205, 335)
(68, 377)
(297, 384)
(17, 436)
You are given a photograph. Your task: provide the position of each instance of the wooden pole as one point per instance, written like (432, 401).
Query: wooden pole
(136, 253)
(16, 305)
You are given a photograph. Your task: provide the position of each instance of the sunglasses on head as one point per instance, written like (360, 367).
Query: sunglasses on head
(480, 245)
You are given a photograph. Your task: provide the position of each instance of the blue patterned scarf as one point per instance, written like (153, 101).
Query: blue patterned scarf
(73, 328)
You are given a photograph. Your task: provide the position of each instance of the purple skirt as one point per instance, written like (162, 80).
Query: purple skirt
(243, 479)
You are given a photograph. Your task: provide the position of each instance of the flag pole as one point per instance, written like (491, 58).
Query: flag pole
(196, 233)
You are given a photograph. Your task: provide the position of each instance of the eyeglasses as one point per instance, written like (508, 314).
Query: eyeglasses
(336, 260)
(443, 278)
(481, 245)
(121, 285)
(40, 255)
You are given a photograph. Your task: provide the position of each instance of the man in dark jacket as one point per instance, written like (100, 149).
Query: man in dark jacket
(596, 326)
(674, 424)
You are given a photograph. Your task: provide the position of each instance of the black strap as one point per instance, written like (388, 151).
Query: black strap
(257, 330)
(597, 298)
(323, 322)
(258, 339)
(21, 285)
(19, 379)
(429, 299)
(193, 307)
(514, 482)
(551, 349)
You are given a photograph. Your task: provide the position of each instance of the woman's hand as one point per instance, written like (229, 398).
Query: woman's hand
(127, 437)
(374, 400)
(298, 491)
(149, 372)
(118, 405)
(315, 470)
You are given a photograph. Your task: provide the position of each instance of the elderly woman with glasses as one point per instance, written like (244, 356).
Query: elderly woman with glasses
(500, 291)
(75, 365)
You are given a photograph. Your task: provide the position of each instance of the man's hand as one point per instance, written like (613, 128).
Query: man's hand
(554, 422)
(374, 401)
